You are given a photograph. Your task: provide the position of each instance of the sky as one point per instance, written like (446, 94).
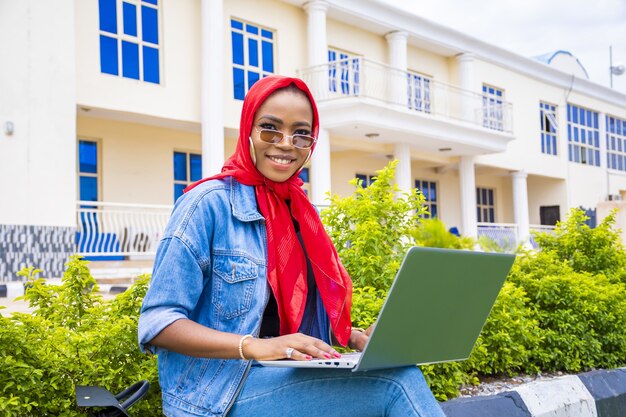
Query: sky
(586, 28)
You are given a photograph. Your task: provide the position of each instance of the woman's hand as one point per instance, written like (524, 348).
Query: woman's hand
(359, 338)
(295, 346)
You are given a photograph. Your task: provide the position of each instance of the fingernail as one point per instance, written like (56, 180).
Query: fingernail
(337, 355)
(327, 355)
(308, 358)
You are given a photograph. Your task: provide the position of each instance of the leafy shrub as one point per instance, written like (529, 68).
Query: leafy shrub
(72, 337)
(371, 228)
(433, 233)
(509, 337)
(366, 304)
(444, 379)
(562, 308)
(582, 318)
(597, 251)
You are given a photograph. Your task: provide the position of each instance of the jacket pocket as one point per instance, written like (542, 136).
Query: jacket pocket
(235, 277)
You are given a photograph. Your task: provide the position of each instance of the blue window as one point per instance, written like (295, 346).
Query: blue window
(365, 179)
(187, 169)
(493, 107)
(343, 72)
(429, 189)
(133, 50)
(583, 135)
(485, 205)
(547, 116)
(418, 92)
(304, 176)
(616, 143)
(88, 170)
(253, 55)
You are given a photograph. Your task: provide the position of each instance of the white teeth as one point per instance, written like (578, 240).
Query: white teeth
(280, 160)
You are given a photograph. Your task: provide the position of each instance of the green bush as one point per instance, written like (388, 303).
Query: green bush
(433, 233)
(582, 318)
(72, 337)
(509, 337)
(371, 228)
(596, 250)
(563, 307)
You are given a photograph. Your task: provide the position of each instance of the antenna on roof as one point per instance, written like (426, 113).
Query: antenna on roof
(617, 69)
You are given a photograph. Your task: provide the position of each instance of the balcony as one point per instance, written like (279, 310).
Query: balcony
(117, 231)
(355, 93)
(506, 235)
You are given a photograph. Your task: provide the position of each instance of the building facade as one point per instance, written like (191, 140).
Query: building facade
(108, 108)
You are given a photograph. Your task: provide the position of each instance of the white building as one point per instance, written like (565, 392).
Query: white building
(122, 102)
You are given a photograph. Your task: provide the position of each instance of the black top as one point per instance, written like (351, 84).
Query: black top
(270, 326)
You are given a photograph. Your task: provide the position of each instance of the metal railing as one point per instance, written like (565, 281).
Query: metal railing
(506, 235)
(366, 79)
(118, 229)
(541, 229)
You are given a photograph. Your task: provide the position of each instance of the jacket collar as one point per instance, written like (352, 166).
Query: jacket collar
(243, 202)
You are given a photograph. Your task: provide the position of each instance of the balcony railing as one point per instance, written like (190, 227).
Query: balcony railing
(366, 79)
(119, 230)
(504, 234)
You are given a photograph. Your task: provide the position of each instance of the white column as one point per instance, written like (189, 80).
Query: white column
(402, 153)
(320, 169)
(397, 58)
(520, 205)
(318, 55)
(467, 184)
(466, 82)
(604, 157)
(317, 46)
(212, 86)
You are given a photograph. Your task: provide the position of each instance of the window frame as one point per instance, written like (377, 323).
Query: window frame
(121, 38)
(615, 139)
(349, 64)
(549, 130)
(97, 175)
(307, 184)
(188, 180)
(481, 206)
(425, 102)
(429, 202)
(578, 133)
(493, 119)
(368, 177)
(246, 67)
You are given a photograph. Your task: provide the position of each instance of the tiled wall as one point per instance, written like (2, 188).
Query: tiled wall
(44, 247)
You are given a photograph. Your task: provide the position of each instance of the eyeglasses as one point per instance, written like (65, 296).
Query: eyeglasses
(276, 136)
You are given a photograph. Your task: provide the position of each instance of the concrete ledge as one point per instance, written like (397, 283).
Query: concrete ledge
(508, 404)
(592, 394)
(609, 390)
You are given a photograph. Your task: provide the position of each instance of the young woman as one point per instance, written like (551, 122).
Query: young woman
(246, 271)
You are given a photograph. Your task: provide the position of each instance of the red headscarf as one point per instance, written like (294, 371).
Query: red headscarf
(286, 261)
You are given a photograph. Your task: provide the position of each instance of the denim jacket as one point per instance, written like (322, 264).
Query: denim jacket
(210, 267)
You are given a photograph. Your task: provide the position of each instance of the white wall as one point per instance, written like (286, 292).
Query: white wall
(351, 39)
(545, 192)
(37, 162)
(178, 95)
(289, 23)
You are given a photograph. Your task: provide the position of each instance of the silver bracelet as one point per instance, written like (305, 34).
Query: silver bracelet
(244, 337)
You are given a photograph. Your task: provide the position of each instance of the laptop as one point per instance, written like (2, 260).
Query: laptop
(434, 311)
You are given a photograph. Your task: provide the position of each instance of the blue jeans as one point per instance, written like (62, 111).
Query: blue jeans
(287, 392)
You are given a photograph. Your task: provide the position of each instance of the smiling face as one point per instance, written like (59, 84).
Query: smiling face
(290, 112)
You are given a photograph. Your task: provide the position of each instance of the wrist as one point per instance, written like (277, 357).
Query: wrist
(243, 346)
(355, 334)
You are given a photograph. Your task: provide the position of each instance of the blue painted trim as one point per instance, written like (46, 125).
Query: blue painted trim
(508, 404)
